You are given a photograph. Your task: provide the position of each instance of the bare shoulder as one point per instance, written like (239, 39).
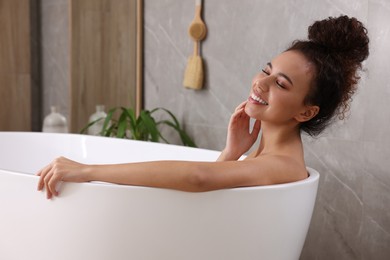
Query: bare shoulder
(260, 170)
(280, 168)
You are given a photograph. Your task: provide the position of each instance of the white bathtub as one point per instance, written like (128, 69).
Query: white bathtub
(93, 221)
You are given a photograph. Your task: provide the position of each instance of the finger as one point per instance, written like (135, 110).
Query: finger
(237, 113)
(52, 184)
(256, 128)
(42, 175)
(243, 114)
(241, 105)
(46, 182)
(40, 183)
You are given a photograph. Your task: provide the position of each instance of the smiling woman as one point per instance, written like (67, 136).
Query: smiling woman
(300, 89)
(282, 84)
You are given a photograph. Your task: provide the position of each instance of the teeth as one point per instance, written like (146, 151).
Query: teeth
(253, 96)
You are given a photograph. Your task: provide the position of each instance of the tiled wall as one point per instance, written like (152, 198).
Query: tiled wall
(55, 55)
(352, 214)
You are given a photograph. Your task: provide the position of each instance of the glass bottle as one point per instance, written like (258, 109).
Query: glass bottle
(55, 122)
(98, 117)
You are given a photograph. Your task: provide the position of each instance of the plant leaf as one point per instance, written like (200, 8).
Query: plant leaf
(185, 139)
(111, 130)
(150, 125)
(132, 122)
(144, 127)
(122, 125)
(172, 116)
(84, 130)
(105, 131)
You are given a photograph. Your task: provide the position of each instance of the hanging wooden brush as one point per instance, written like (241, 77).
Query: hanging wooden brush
(193, 77)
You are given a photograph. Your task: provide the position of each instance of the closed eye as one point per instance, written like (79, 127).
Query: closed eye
(265, 72)
(280, 85)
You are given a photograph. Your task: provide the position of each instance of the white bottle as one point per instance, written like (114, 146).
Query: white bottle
(99, 115)
(54, 122)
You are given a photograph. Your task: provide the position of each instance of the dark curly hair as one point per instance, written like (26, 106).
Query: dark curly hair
(336, 47)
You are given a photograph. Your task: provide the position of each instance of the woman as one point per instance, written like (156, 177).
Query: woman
(302, 89)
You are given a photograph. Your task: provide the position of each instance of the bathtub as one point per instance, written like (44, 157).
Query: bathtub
(93, 221)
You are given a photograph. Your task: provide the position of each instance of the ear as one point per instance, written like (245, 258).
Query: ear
(308, 113)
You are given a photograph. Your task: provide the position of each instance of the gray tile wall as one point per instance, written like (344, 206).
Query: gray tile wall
(352, 214)
(55, 55)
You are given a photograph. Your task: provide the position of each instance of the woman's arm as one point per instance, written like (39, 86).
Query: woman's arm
(179, 175)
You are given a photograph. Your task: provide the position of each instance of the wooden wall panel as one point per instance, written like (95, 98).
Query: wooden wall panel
(15, 75)
(103, 56)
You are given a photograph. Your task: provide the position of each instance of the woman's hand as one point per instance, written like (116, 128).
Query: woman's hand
(61, 169)
(239, 139)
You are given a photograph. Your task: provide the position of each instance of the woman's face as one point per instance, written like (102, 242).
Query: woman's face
(279, 89)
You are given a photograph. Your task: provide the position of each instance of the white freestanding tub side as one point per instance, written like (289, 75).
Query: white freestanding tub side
(107, 221)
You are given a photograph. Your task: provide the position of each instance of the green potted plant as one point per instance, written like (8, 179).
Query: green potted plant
(144, 127)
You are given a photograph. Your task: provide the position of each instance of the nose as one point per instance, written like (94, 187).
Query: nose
(262, 85)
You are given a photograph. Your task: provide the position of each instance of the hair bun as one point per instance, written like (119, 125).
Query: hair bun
(342, 35)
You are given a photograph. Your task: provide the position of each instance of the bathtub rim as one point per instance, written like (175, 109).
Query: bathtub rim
(313, 174)
(114, 139)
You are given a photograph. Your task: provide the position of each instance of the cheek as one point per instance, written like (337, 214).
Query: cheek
(286, 104)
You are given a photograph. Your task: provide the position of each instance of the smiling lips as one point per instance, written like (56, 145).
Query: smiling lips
(258, 99)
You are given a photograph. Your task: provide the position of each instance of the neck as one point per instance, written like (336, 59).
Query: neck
(277, 139)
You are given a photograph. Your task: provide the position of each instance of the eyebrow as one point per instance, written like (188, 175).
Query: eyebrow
(281, 74)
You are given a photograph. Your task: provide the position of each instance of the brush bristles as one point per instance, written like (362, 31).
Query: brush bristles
(193, 76)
